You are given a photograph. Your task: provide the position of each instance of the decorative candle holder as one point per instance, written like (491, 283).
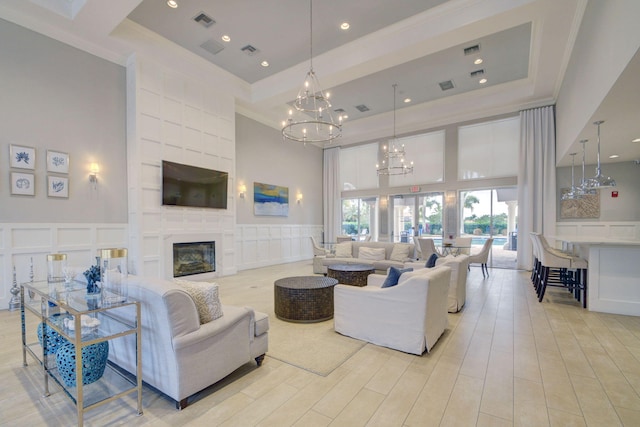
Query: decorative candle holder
(114, 275)
(56, 265)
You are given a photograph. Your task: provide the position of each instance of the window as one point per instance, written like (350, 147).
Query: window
(489, 150)
(358, 167)
(427, 153)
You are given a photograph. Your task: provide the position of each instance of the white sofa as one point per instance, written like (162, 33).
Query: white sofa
(320, 263)
(409, 316)
(179, 355)
(458, 286)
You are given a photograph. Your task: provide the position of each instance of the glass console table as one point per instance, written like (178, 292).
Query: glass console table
(57, 308)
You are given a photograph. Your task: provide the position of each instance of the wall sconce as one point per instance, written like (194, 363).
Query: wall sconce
(243, 191)
(299, 198)
(93, 174)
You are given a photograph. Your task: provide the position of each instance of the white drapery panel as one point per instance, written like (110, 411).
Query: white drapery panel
(536, 179)
(331, 186)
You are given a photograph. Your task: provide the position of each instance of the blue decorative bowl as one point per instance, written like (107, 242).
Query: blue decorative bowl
(54, 339)
(94, 362)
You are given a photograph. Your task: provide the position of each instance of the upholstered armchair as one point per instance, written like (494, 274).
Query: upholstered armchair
(319, 253)
(427, 247)
(409, 316)
(482, 257)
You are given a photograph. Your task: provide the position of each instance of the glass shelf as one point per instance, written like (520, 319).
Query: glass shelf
(52, 303)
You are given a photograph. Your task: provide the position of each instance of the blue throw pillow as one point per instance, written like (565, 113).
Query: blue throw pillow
(393, 276)
(431, 262)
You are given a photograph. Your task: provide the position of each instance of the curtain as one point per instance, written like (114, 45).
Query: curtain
(536, 179)
(331, 191)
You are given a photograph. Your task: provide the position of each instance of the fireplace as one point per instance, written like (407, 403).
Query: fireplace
(194, 258)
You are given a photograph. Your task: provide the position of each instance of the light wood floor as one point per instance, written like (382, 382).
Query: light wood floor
(505, 360)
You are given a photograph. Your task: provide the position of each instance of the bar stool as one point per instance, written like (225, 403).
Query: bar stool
(559, 269)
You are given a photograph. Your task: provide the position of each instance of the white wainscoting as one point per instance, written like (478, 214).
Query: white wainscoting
(20, 243)
(623, 230)
(260, 245)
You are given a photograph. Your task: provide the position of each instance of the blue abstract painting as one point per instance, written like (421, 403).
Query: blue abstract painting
(270, 200)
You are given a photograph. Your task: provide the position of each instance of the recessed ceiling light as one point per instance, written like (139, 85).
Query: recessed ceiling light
(482, 81)
(264, 63)
(345, 116)
(172, 4)
(407, 100)
(613, 156)
(344, 26)
(478, 61)
(635, 140)
(226, 38)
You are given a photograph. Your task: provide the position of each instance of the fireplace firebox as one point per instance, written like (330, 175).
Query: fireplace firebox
(193, 258)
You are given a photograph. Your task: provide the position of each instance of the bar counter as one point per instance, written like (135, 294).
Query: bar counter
(614, 272)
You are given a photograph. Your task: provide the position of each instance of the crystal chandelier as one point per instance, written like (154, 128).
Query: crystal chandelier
(393, 162)
(600, 181)
(311, 119)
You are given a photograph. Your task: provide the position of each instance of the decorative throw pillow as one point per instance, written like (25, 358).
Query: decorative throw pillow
(400, 252)
(431, 262)
(205, 296)
(343, 250)
(374, 254)
(393, 276)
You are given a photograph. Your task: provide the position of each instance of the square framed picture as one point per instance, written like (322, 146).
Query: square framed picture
(57, 161)
(57, 186)
(23, 184)
(22, 157)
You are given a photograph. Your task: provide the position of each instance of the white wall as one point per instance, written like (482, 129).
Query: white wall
(607, 40)
(55, 97)
(173, 116)
(262, 156)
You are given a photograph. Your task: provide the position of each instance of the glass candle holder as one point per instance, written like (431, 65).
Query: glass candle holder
(114, 275)
(56, 266)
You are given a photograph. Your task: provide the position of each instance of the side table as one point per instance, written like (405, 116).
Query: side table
(350, 274)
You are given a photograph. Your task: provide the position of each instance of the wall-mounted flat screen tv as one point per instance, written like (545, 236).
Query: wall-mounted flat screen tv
(184, 185)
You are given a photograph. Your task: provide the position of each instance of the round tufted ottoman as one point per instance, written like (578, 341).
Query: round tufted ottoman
(94, 361)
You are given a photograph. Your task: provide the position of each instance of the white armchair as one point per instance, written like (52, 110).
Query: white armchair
(458, 285)
(409, 316)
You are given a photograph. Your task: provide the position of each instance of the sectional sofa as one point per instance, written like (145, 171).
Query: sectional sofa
(380, 255)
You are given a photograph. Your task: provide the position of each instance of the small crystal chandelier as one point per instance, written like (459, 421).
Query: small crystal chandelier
(600, 181)
(574, 192)
(394, 162)
(311, 119)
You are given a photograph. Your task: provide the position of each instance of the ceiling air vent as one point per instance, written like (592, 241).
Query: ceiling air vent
(249, 50)
(212, 46)
(446, 85)
(362, 108)
(204, 20)
(476, 73)
(472, 49)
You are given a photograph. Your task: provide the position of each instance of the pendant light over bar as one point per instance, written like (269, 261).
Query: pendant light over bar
(600, 181)
(311, 119)
(574, 192)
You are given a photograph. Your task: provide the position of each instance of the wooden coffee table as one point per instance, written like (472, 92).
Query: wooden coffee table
(350, 274)
(304, 299)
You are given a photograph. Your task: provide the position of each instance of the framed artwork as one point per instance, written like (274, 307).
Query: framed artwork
(22, 157)
(57, 186)
(23, 184)
(270, 200)
(57, 162)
